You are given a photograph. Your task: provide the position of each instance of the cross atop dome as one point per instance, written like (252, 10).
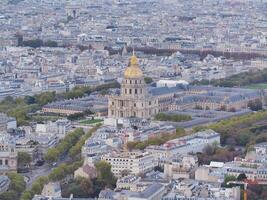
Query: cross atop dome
(133, 60)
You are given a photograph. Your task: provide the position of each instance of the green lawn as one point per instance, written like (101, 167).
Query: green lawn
(44, 118)
(257, 86)
(91, 121)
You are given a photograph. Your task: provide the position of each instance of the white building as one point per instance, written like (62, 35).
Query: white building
(59, 128)
(261, 148)
(132, 162)
(52, 189)
(171, 83)
(94, 148)
(188, 144)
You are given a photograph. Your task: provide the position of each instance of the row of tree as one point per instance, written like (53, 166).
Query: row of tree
(71, 144)
(53, 154)
(157, 140)
(255, 105)
(79, 187)
(215, 153)
(36, 43)
(16, 187)
(172, 117)
(75, 150)
(243, 130)
(241, 79)
(21, 107)
(57, 174)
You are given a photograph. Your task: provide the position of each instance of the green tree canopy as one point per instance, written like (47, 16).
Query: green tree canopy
(24, 159)
(104, 174)
(172, 117)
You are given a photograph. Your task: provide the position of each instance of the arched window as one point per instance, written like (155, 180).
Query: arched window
(135, 91)
(130, 91)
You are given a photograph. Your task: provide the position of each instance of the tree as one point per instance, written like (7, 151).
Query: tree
(16, 187)
(17, 182)
(241, 177)
(198, 107)
(58, 173)
(255, 105)
(148, 80)
(26, 195)
(24, 159)
(9, 195)
(45, 98)
(172, 117)
(80, 188)
(33, 43)
(243, 138)
(223, 108)
(232, 109)
(125, 172)
(227, 179)
(104, 174)
(52, 155)
(29, 100)
(50, 43)
(159, 168)
(209, 150)
(37, 187)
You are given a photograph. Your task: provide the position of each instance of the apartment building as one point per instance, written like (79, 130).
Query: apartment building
(131, 162)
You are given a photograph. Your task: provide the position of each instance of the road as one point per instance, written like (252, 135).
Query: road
(36, 173)
(44, 170)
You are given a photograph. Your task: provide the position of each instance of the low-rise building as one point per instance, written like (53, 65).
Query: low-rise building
(86, 171)
(196, 190)
(52, 189)
(188, 144)
(127, 182)
(59, 128)
(131, 162)
(94, 147)
(4, 183)
(261, 148)
(7, 122)
(180, 168)
(150, 191)
(8, 154)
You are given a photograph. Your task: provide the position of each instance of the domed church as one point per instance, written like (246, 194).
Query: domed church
(134, 99)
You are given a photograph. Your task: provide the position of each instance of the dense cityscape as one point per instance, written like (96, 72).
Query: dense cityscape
(133, 100)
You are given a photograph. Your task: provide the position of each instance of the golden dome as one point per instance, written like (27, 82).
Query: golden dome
(133, 71)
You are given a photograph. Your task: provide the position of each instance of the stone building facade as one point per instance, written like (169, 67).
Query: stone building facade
(8, 155)
(134, 99)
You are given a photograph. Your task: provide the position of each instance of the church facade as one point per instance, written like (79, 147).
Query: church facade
(134, 99)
